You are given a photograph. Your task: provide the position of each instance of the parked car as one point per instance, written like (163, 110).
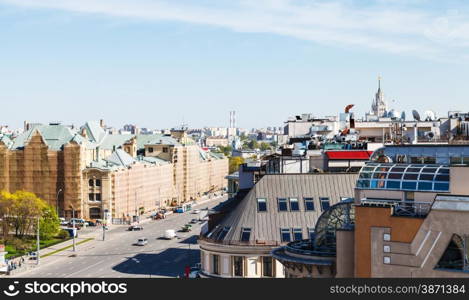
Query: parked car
(135, 228)
(196, 211)
(186, 228)
(194, 221)
(91, 223)
(33, 255)
(142, 241)
(195, 271)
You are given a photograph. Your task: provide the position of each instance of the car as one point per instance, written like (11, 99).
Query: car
(196, 211)
(142, 241)
(194, 221)
(169, 234)
(186, 228)
(135, 228)
(33, 255)
(91, 223)
(63, 222)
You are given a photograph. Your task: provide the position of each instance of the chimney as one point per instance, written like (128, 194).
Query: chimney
(101, 123)
(26, 125)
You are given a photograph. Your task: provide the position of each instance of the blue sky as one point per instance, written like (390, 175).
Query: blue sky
(157, 63)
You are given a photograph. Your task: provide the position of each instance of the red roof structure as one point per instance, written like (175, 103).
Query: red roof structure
(349, 155)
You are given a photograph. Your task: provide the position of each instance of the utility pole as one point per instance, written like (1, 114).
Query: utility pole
(37, 242)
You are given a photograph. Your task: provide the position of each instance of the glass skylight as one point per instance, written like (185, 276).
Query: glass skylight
(408, 177)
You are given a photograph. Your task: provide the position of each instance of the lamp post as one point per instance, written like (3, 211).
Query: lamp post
(73, 227)
(57, 201)
(37, 242)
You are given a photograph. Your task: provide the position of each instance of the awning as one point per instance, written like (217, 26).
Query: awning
(349, 155)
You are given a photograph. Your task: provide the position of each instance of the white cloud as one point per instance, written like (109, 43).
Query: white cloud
(393, 26)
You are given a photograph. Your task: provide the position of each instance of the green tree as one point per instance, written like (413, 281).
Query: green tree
(6, 208)
(265, 146)
(26, 208)
(49, 224)
(251, 144)
(226, 150)
(235, 162)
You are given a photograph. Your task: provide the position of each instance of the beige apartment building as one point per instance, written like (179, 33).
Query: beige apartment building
(100, 175)
(216, 141)
(279, 209)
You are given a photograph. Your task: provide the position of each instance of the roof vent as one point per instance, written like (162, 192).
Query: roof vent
(55, 123)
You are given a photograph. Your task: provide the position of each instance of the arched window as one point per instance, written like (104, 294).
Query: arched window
(91, 182)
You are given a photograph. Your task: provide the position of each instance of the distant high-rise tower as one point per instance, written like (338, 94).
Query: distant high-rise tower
(232, 127)
(379, 107)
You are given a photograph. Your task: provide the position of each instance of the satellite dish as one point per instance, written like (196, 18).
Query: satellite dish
(430, 115)
(403, 116)
(416, 115)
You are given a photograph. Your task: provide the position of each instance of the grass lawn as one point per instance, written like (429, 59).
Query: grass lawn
(31, 246)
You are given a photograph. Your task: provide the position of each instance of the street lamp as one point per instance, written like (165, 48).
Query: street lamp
(73, 227)
(37, 242)
(57, 201)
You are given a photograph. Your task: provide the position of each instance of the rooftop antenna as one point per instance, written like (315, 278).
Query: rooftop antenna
(416, 115)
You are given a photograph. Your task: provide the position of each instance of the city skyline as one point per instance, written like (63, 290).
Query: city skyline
(163, 63)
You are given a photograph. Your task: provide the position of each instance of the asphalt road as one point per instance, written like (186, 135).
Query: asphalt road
(118, 257)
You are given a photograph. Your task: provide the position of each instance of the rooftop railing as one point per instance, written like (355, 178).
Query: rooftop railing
(240, 243)
(401, 208)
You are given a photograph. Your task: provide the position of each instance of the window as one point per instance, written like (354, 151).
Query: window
(223, 233)
(91, 196)
(456, 254)
(245, 234)
(285, 235)
(311, 233)
(282, 204)
(150, 149)
(95, 213)
(297, 234)
(165, 149)
(98, 182)
(261, 204)
(294, 204)
(216, 264)
(238, 265)
(267, 266)
(324, 203)
(309, 204)
(91, 182)
(97, 197)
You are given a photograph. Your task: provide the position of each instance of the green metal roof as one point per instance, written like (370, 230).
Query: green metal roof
(55, 136)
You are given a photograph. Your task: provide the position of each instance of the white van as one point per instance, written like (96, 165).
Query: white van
(169, 234)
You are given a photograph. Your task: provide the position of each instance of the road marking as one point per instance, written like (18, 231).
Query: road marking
(89, 267)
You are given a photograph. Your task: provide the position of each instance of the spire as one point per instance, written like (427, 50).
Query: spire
(379, 82)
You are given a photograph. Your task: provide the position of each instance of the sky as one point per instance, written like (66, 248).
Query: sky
(159, 63)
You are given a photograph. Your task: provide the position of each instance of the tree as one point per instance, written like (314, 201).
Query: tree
(235, 162)
(6, 207)
(252, 144)
(265, 146)
(49, 224)
(226, 150)
(26, 208)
